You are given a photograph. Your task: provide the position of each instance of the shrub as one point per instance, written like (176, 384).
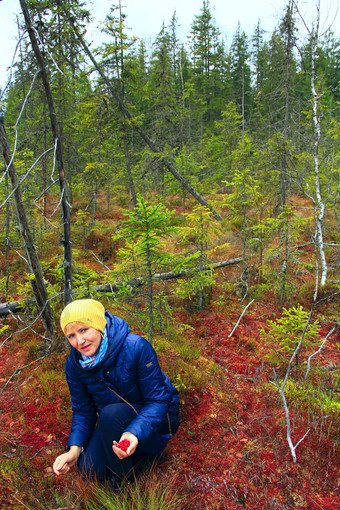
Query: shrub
(285, 333)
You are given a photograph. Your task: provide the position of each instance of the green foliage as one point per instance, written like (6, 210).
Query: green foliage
(190, 288)
(285, 333)
(197, 234)
(146, 231)
(83, 279)
(258, 291)
(24, 288)
(187, 351)
(3, 329)
(317, 400)
(179, 383)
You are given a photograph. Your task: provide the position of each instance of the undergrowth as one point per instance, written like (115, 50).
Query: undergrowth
(230, 451)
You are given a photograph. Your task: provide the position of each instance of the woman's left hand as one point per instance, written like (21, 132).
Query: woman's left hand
(133, 440)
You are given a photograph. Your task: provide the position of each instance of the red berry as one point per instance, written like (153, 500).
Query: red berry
(124, 445)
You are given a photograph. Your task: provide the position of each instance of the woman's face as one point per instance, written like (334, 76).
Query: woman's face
(83, 338)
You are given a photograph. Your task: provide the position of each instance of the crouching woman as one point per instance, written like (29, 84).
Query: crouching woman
(124, 407)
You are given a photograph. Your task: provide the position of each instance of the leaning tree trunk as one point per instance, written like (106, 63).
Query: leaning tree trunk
(131, 120)
(59, 158)
(7, 239)
(37, 283)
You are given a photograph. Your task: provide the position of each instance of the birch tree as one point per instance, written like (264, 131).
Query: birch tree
(319, 205)
(316, 92)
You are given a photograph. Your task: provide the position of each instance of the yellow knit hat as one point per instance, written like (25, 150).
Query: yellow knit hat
(88, 311)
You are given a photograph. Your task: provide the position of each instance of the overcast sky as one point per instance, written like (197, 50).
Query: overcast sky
(145, 18)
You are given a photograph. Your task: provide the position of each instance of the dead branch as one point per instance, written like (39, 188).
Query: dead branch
(319, 350)
(15, 307)
(239, 320)
(18, 370)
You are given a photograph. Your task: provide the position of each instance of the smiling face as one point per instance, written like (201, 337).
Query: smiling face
(83, 338)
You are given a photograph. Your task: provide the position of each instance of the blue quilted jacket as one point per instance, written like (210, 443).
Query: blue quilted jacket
(130, 367)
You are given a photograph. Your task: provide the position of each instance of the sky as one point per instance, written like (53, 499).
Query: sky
(145, 18)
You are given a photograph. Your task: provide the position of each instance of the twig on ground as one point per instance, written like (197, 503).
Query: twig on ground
(6, 339)
(239, 320)
(19, 501)
(317, 352)
(100, 261)
(18, 370)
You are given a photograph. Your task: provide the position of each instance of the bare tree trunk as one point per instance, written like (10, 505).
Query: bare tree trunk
(38, 285)
(59, 158)
(128, 115)
(129, 173)
(284, 173)
(281, 387)
(320, 206)
(44, 164)
(7, 238)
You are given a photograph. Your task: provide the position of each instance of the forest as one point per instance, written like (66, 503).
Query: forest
(192, 188)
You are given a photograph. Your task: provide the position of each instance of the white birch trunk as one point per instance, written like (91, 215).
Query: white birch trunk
(320, 206)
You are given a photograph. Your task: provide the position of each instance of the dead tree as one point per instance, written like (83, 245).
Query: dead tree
(37, 283)
(59, 157)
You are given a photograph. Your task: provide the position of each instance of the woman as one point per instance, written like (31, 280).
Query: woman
(118, 392)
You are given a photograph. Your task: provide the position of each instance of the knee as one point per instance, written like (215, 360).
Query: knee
(111, 416)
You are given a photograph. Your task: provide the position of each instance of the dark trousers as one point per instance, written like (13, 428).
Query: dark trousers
(98, 459)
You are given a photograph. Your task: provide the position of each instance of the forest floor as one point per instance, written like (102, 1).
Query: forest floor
(231, 450)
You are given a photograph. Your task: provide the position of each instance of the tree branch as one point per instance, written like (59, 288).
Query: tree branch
(239, 320)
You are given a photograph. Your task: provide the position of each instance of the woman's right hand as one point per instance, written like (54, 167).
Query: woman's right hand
(64, 462)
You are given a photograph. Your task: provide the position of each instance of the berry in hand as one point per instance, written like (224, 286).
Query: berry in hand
(124, 445)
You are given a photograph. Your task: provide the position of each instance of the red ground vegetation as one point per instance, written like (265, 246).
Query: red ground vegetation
(231, 450)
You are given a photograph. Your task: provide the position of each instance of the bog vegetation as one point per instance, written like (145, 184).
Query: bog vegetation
(194, 190)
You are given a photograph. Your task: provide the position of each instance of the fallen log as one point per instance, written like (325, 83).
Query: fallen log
(15, 307)
(138, 282)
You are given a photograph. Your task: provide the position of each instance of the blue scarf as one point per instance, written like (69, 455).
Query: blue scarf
(91, 361)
